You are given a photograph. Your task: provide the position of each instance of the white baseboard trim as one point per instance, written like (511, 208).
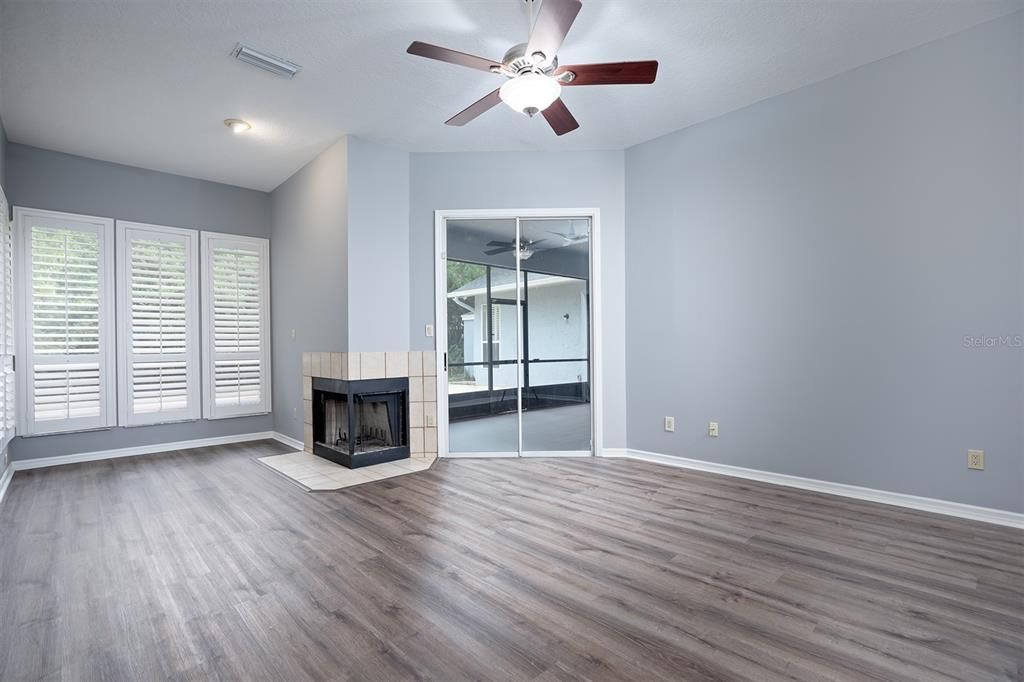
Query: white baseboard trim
(155, 448)
(289, 441)
(5, 480)
(964, 511)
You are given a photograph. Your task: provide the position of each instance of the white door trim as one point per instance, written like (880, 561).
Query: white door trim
(441, 217)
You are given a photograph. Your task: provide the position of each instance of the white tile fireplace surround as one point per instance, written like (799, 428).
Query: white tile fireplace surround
(316, 473)
(417, 366)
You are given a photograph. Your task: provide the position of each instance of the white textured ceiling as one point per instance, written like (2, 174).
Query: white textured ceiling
(147, 82)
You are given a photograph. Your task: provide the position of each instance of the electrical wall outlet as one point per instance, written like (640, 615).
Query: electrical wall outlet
(713, 429)
(975, 459)
(670, 423)
(429, 330)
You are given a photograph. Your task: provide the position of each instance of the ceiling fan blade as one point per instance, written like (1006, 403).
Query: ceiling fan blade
(571, 238)
(452, 56)
(495, 252)
(499, 243)
(549, 28)
(613, 73)
(475, 109)
(560, 118)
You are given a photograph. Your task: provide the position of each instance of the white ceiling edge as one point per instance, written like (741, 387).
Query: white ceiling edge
(264, 161)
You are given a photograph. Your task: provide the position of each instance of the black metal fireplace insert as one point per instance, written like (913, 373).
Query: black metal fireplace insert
(360, 423)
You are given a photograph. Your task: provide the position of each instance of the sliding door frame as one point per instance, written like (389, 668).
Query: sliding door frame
(441, 218)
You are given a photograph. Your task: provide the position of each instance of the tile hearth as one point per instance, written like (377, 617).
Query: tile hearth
(317, 474)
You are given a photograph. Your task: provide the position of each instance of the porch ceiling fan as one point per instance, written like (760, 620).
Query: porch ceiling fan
(535, 78)
(527, 247)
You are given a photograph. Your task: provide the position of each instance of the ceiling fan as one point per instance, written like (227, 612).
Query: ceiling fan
(527, 247)
(535, 78)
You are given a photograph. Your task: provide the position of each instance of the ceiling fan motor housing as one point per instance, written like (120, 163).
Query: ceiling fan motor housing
(516, 62)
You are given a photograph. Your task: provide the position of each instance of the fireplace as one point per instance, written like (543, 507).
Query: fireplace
(360, 423)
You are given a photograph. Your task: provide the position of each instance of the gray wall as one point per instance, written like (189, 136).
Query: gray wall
(61, 182)
(527, 180)
(3, 156)
(3, 133)
(308, 258)
(1020, 196)
(378, 247)
(804, 271)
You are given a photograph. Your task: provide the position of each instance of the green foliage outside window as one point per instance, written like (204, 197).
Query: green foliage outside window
(459, 275)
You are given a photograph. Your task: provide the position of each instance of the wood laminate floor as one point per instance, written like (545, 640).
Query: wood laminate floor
(207, 565)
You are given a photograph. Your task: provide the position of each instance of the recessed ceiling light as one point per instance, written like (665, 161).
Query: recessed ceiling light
(237, 125)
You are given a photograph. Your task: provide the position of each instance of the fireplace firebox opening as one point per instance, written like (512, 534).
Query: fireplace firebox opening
(361, 423)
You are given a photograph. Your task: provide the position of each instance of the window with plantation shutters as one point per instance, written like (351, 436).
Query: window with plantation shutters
(158, 376)
(66, 317)
(7, 388)
(236, 325)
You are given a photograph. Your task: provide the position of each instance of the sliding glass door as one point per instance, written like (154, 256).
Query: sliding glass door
(518, 337)
(556, 412)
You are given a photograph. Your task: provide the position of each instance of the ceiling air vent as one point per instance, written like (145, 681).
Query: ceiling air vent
(267, 62)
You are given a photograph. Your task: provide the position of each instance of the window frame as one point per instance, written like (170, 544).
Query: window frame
(192, 358)
(8, 340)
(209, 241)
(106, 357)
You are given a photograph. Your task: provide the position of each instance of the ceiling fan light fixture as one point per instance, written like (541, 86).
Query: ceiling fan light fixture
(525, 253)
(530, 93)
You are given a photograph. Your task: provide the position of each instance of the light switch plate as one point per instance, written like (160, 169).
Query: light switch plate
(670, 423)
(429, 330)
(975, 459)
(713, 429)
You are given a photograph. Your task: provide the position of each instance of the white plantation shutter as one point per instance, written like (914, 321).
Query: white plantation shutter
(157, 324)
(7, 387)
(236, 325)
(65, 262)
